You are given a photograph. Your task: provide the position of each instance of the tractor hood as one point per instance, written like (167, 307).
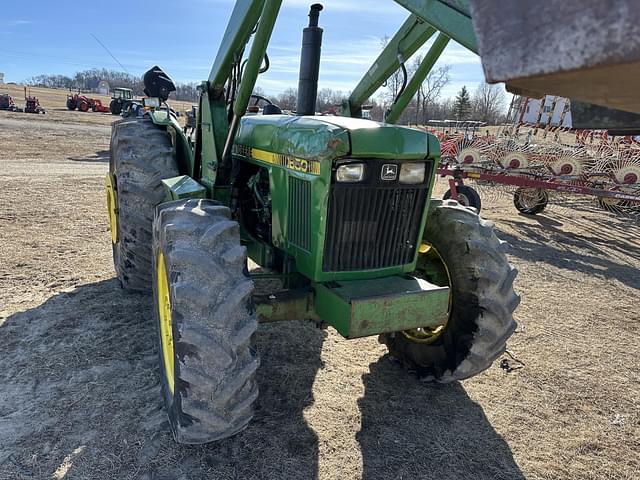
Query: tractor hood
(330, 137)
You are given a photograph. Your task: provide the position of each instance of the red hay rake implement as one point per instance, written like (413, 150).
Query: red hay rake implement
(531, 162)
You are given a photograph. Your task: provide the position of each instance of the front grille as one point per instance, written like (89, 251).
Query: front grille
(299, 225)
(372, 226)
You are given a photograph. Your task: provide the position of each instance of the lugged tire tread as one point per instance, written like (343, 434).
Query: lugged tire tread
(141, 155)
(213, 321)
(478, 263)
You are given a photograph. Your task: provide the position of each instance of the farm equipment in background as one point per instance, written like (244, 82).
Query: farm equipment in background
(84, 103)
(31, 103)
(338, 209)
(97, 106)
(134, 108)
(6, 103)
(190, 124)
(540, 161)
(121, 99)
(79, 102)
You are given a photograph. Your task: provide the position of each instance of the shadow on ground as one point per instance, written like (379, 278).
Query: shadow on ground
(101, 156)
(81, 395)
(419, 431)
(593, 251)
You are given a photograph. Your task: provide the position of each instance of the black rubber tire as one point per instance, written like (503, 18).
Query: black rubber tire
(83, 106)
(527, 209)
(116, 107)
(212, 321)
(71, 104)
(483, 300)
(467, 197)
(141, 156)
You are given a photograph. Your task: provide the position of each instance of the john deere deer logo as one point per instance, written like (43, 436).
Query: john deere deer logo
(389, 172)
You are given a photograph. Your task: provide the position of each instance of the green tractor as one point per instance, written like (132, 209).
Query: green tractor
(120, 100)
(338, 208)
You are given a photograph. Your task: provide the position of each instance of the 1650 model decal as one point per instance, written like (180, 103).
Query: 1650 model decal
(286, 161)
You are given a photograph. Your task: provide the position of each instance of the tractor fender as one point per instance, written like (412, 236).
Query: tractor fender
(181, 144)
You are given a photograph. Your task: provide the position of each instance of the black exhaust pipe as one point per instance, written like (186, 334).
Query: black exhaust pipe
(310, 64)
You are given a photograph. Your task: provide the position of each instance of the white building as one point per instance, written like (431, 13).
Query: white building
(103, 87)
(530, 109)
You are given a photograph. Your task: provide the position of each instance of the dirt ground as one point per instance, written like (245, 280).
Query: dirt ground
(79, 391)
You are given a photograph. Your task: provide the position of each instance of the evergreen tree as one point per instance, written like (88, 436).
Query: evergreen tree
(462, 104)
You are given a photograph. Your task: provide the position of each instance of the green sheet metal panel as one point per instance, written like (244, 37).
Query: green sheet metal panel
(358, 308)
(285, 144)
(329, 137)
(310, 138)
(183, 186)
(181, 145)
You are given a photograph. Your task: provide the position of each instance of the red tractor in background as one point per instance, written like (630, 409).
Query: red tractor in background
(32, 104)
(6, 103)
(84, 103)
(78, 101)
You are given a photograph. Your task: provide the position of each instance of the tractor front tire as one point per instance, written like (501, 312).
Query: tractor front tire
(202, 305)
(141, 156)
(482, 299)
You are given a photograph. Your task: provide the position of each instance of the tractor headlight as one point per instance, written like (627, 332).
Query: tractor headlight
(350, 173)
(412, 173)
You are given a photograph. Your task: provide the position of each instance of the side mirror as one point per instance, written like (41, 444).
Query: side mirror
(158, 84)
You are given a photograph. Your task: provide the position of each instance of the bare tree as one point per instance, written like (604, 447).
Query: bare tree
(431, 88)
(488, 103)
(287, 99)
(330, 100)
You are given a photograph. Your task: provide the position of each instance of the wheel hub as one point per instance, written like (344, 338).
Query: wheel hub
(469, 155)
(463, 200)
(433, 269)
(567, 165)
(514, 160)
(530, 198)
(164, 314)
(112, 207)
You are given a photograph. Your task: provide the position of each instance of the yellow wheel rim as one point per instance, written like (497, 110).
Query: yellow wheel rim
(112, 207)
(434, 262)
(164, 314)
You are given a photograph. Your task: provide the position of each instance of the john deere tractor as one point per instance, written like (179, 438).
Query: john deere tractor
(338, 208)
(121, 98)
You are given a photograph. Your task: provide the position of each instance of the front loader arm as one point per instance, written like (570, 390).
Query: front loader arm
(427, 17)
(413, 33)
(225, 96)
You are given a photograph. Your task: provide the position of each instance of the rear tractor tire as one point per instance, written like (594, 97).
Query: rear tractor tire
(71, 104)
(115, 107)
(460, 249)
(202, 305)
(141, 156)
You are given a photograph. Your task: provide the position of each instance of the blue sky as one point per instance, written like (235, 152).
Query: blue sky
(38, 36)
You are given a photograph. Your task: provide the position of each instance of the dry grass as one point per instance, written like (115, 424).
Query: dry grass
(80, 389)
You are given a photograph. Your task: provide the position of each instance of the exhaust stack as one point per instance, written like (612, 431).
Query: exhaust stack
(309, 64)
